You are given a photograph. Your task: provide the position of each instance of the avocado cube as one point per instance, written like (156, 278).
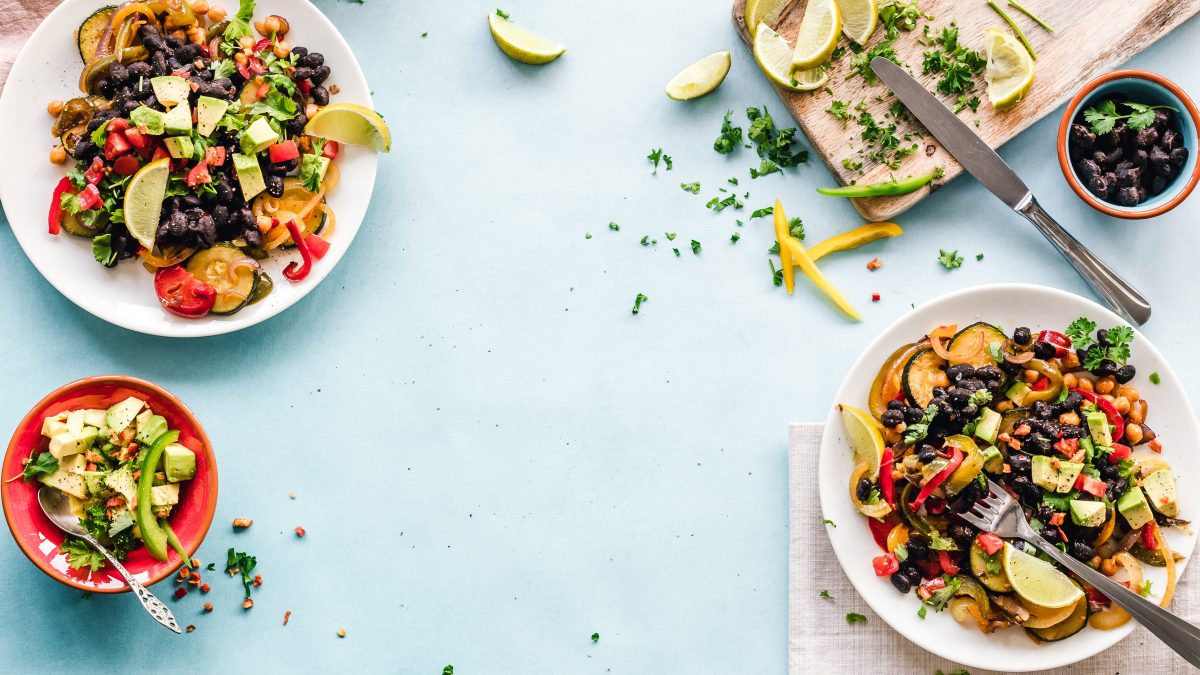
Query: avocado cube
(75, 421)
(179, 463)
(178, 122)
(1098, 426)
(989, 425)
(164, 495)
(993, 460)
(94, 480)
(258, 136)
(1160, 492)
(121, 415)
(65, 481)
(310, 166)
(180, 147)
(1134, 507)
(68, 443)
(1017, 393)
(53, 426)
(152, 120)
(170, 89)
(209, 112)
(1088, 514)
(122, 482)
(1054, 474)
(249, 174)
(151, 429)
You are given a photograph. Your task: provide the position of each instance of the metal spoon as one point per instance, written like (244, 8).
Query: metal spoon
(58, 509)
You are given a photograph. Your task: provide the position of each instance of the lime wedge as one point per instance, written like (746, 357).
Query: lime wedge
(858, 19)
(1037, 581)
(144, 199)
(699, 78)
(774, 57)
(522, 45)
(350, 124)
(763, 11)
(1009, 72)
(865, 439)
(818, 36)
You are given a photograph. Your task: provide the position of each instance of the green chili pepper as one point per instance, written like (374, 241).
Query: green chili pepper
(175, 543)
(1053, 374)
(152, 533)
(886, 188)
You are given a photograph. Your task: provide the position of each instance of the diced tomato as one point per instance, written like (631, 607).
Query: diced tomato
(885, 565)
(159, 153)
(331, 149)
(1068, 447)
(198, 175)
(1090, 485)
(136, 138)
(263, 90)
(947, 563)
(880, 529)
(95, 172)
(284, 152)
(990, 543)
(1057, 518)
(115, 146)
(1061, 342)
(126, 165)
(115, 501)
(929, 567)
(1041, 384)
(215, 155)
(1149, 541)
(117, 125)
(305, 87)
(147, 151)
(319, 246)
(181, 293)
(89, 197)
(1094, 595)
(926, 589)
(1119, 452)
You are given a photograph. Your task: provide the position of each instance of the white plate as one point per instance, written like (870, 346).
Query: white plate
(1007, 305)
(48, 68)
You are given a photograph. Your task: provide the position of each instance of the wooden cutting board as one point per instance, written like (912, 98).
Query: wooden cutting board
(1092, 38)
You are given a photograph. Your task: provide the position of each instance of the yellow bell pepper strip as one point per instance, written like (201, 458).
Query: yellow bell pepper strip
(887, 188)
(154, 536)
(175, 543)
(801, 258)
(783, 236)
(854, 238)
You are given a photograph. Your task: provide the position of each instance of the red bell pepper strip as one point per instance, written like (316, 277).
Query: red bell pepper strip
(885, 565)
(293, 271)
(1109, 410)
(179, 292)
(947, 563)
(1041, 384)
(318, 246)
(1061, 342)
(1148, 540)
(95, 172)
(990, 543)
(55, 220)
(937, 480)
(89, 197)
(887, 486)
(880, 529)
(1120, 452)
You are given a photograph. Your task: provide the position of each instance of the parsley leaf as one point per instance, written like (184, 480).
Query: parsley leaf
(102, 250)
(796, 228)
(637, 302)
(730, 137)
(825, 594)
(759, 213)
(1155, 378)
(595, 637)
(503, 15)
(773, 145)
(693, 188)
(695, 247)
(614, 227)
(40, 464)
(950, 259)
(239, 24)
(853, 617)
(917, 432)
(244, 563)
(80, 555)
(839, 110)
(827, 521)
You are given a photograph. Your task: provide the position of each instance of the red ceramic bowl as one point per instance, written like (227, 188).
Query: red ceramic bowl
(39, 539)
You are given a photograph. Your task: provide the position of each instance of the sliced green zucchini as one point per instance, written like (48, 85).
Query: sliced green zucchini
(234, 287)
(1072, 625)
(921, 376)
(262, 289)
(995, 582)
(990, 333)
(73, 225)
(93, 31)
(1010, 417)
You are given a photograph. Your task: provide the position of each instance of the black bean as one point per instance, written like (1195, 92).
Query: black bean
(901, 582)
(1041, 410)
(1072, 401)
(1128, 176)
(320, 74)
(299, 52)
(1019, 462)
(296, 124)
(1126, 373)
(1144, 138)
(1128, 196)
(910, 571)
(275, 169)
(1170, 140)
(1082, 137)
(313, 59)
(320, 95)
(187, 53)
(1044, 350)
(158, 64)
(274, 185)
(83, 149)
(173, 42)
(1107, 367)
(912, 415)
(988, 373)
(927, 454)
(961, 533)
(1116, 488)
(1011, 368)
(890, 418)
(1141, 158)
(896, 405)
(151, 38)
(1050, 534)
(118, 73)
(1178, 156)
(863, 489)
(302, 73)
(917, 550)
(1159, 161)
(1080, 550)
(1157, 185)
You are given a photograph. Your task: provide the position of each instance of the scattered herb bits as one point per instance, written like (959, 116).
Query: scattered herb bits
(950, 259)
(637, 302)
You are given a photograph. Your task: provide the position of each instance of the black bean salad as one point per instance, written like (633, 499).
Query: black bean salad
(202, 143)
(1052, 417)
(1126, 152)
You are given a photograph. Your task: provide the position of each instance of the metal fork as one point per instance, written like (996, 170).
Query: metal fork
(1002, 515)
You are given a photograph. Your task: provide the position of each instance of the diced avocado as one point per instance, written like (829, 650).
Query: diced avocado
(164, 495)
(180, 147)
(258, 136)
(988, 426)
(94, 480)
(121, 415)
(209, 111)
(1098, 425)
(249, 175)
(1054, 474)
(95, 417)
(993, 460)
(1017, 393)
(53, 426)
(67, 482)
(73, 464)
(1088, 514)
(68, 443)
(75, 421)
(1160, 492)
(1089, 450)
(1133, 506)
(312, 169)
(142, 418)
(153, 120)
(122, 519)
(179, 463)
(170, 89)
(178, 122)
(122, 482)
(151, 429)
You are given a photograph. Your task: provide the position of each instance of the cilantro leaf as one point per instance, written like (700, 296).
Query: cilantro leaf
(80, 555)
(40, 464)
(239, 24)
(950, 259)
(693, 188)
(730, 137)
(102, 250)
(825, 594)
(637, 302)
(917, 432)
(853, 618)
(243, 563)
(695, 247)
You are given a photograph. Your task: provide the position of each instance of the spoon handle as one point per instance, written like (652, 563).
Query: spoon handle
(153, 605)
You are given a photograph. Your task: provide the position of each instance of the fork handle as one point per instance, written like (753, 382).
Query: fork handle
(1177, 633)
(154, 607)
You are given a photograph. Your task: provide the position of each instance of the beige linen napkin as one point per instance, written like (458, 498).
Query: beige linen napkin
(20, 17)
(819, 640)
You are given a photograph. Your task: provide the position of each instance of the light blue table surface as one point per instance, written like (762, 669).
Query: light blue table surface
(492, 457)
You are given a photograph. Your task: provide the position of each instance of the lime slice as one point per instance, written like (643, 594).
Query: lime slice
(522, 45)
(144, 199)
(1009, 72)
(858, 19)
(774, 56)
(818, 36)
(864, 437)
(699, 78)
(1038, 581)
(350, 124)
(763, 11)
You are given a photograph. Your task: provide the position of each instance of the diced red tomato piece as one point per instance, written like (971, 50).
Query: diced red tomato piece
(990, 543)
(126, 165)
(89, 197)
(159, 153)
(1092, 486)
(947, 563)
(284, 152)
(1041, 384)
(331, 149)
(215, 155)
(198, 175)
(136, 138)
(1119, 452)
(1057, 518)
(885, 565)
(926, 589)
(1068, 447)
(1094, 595)
(263, 90)
(317, 245)
(95, 172)
(115, 146)
(117, 125)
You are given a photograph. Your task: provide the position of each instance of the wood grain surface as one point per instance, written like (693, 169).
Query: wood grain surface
(1091, 38)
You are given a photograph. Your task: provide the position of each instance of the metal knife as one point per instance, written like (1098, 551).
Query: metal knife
(987, 167)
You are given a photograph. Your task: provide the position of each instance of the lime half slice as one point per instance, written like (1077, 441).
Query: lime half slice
(351, 124)
(1038, 581)
(699, 78)
(865, 439)
(522, 45)
(144, 199)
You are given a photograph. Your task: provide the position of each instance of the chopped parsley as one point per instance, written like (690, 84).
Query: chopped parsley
(796, 228)
(40, 464)
(693, 188)
(595, 637)
(733, 238)
(978, 257)
(1155, 378)
(80, 555)
(717, 204)
(964, 102)
(503, 15)
(646, 241)
(899, 15)
(956, 64)
(1116, 347)
(613, 226)
(729, 139)
(950, 259)
(860, 63)
(938, 599)
(1144, 588)
(776, 275)
(774, 145)
(826, 521)
(825, 594)
(448, 670)
(657, 156)
(695, 247)
(759, 213)
(853, 617)
(670, 236)
(840, 110)
(1104, 117)
(980, 398)
(637, 302)
(917, 432)
(243, 563)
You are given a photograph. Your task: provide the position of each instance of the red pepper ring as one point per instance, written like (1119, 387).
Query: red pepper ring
(55, 219)
(955, 460)
(1061, 342)
(293, 271)
(1109, 410)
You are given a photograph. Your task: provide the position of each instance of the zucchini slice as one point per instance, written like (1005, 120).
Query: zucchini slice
(921, 375)
(1072, 625)
(887, 383)
(994, 582)
(92, 31)
(73, 225)
(990, 333)
(234, 289)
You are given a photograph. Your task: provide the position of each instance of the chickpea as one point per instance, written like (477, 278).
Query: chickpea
(1156, 445)
(1004, 405)
(1108, 566)
(1084, 384)
(1071, 360)
(941, 380)
(1031, 376)
(54, 107)
(1137, 411)
(58, 155)
(282, 49)
(240, 58)
(272, 24)
(264, 223)
(200, 6)
(1069, 418)
(216, 13)
(1108, 397)
(200, 36)
(1070, 380)
(261, 28)
(1133, 433)
(1122, 404)
(310, 109)
(1105, 385)
(246, 42)
(1129, 392)
(179, 33)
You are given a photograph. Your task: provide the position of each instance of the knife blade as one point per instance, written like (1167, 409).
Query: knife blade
(982, 162)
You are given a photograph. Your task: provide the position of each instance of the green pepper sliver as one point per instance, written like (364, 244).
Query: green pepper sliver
(175, 543)
(153, 534)
(1016, 29)
(1052, 390)
(884, 189)
(1029, 13)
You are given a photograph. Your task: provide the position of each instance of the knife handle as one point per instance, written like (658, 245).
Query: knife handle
(1118, 293)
